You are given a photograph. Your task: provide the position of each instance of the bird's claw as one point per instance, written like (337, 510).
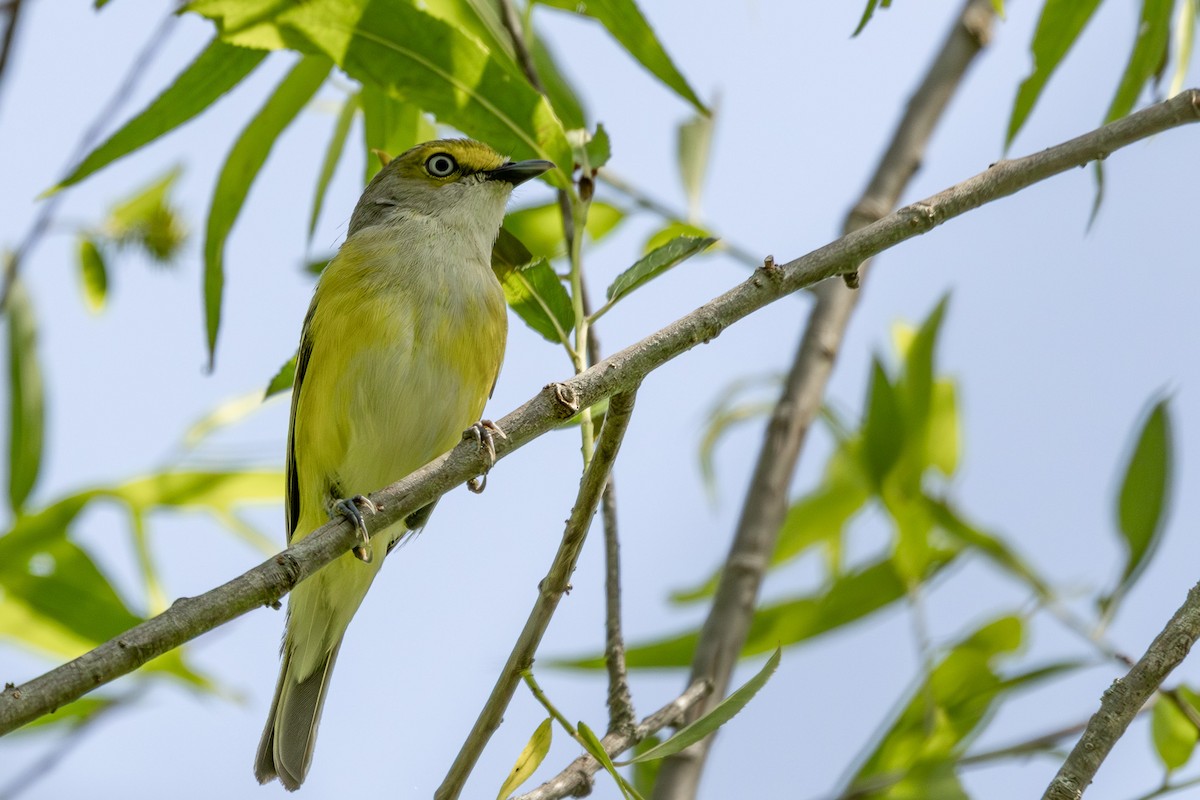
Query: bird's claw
(349, 508)
(484, 433)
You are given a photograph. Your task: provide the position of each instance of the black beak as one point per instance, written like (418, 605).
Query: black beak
(517, 172)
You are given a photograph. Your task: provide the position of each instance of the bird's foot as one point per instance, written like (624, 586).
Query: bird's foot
(349, 508)
(484, 433)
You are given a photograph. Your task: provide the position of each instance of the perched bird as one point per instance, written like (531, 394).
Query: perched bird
(400, 350)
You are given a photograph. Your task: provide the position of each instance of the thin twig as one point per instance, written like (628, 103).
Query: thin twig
(551, 589)
(728, 623)
(576, 779)
(1124, 699)
(621, 716)
(13, 9)
(265, 584)
(1170, 788)
(41, 223)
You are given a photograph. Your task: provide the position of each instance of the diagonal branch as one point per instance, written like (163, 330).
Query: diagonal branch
(728, 623)
(1124, 699)
(265, 584)
(551, 589)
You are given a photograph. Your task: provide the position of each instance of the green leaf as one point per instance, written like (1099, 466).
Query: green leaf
(603, 218)
(1173, 733)
(146, 219)
(655, 263)
(883, 425)
(283, 378)
(915, 386)
(391, 126)
(26, 398)
(942, 442)
(414, 56)
(868, 12)
(722, 713)
(241, 167)
(1058, 28)
(563, 97)
(591, 742)
(538, 297)
(93, 274)
(72, 715)
(625, 23)
(540, 227)
(1144, 497)
(693, 145)
(333, 154)
(1148, 59)
(991, 547)
(673, 230)
(530, 759)
(215, 71)
(598, 148)
(645, 773)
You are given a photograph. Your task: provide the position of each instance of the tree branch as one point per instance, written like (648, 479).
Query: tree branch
(1123, 700)
(268, 582)
(728, 622)
(551, 589)
(576, 779)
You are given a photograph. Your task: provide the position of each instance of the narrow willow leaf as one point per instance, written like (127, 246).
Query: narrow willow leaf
(726, 710)
(229, 412)
(655, 263)
(26, 429)
(241, 167)
(215, 71)
(991, 547)
(883, 427)
(1058, 29)
(693, 144)
(390, 125)
(599, 148)
(916, 384)
(1144, 497)
(93, 274)
(539, 298)
(333, 154)
(1148, 58)
(625, 23)
(1185, 36)
(595, 748)
(282, 380)
(415, 56)
(530, 759)
(868, 12)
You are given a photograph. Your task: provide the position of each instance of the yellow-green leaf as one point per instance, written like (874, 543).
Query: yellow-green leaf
(530, 759)
(93, 274)
(26, 402)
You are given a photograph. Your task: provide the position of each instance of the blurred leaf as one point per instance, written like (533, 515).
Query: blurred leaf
(603, 218)
(599, 148)
(281, 381)
(942, 433)
(1185, 35)
(390, 125)
(822, 515)
(93, 274)
(1173, 733)
(938, 719)
(241, 167)
(26, 405)
(317, 265)
(1148, 59)
(722, 713)
(414, 56)
(915, 385)
(564, 99)
(693, 145)
(146, 219)
(883, 425)
(227, 413)
(625, 22)
(1058, 28)
(869, 12)
(993, 548)
(333, 154)
(540, 227)
(215, 71)
(200, 489)
(719, 423)
(655, 263)
(1144, 497)
(998, 7)
(73, 714)
(536, 294)
(645, 773)
(591, 742)
(671, 231)
(845, 599)
(530, 759)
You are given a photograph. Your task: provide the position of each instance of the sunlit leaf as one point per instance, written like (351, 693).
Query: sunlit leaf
(599, 148)
(591, 742)
(390, 125)
(1144, 497)
(722, 713)
(26, 404)
(533, 290)
(227, 413)
(282, 380)
(943, 434)
(1174, 735)
(333, 154)
(241, 167)
(540, 227)
(655, 263)
(883, 425)
(671, 231)
(1185, 36)
(1148, 58)
(915, 386)
(1058, 28)
(93, 274)
(625, 22)
(215, 71)
(147, 220)
(530, 759)
(693, 143)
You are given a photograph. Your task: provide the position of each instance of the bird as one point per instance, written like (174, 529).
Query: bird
(399, 352)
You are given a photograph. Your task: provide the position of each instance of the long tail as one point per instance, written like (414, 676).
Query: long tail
(286, 748)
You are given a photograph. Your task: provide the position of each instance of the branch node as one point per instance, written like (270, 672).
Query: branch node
(565, 398)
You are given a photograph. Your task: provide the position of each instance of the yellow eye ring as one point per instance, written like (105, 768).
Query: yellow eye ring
(441, 165)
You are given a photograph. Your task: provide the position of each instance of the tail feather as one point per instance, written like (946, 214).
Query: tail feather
(286, 748)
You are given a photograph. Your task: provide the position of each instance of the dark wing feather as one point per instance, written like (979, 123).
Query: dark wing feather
(292, 491)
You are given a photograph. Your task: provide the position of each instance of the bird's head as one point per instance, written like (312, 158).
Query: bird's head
(460, 182)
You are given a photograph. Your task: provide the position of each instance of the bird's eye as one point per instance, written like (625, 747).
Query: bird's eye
(440, 165)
